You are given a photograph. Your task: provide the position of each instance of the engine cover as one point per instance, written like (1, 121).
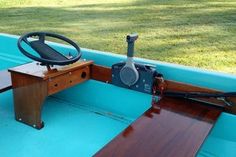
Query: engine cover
(144, 83)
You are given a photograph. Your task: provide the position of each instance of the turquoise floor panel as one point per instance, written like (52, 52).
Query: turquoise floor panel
(222, 139)
(116, 101)
(10, 60)
(70, 131)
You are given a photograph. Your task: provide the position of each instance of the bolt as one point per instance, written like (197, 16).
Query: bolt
(34, 126)
(20, 119)
(136, 86)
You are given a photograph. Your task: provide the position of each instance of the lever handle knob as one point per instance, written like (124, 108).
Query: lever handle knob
(131, 39)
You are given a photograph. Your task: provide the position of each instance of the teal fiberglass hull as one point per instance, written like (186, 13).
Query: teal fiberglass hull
(81, 123)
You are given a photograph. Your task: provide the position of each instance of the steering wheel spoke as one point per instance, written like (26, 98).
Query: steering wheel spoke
(42, 37)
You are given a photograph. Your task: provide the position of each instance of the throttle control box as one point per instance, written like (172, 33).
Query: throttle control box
(144, 84)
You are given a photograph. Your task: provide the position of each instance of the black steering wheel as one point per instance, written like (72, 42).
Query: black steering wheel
(48, 55)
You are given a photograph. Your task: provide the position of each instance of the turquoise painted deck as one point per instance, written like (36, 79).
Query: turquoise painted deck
(222, 139)
(69, 131)
(72, 128)
(81, 120)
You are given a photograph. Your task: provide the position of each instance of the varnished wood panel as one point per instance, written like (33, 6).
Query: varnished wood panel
(183, 87)
(32, 84)
(78, 76)
(56, 84)
(29, 95)
(36, 70)
(5, 81)
(101, 73)
(177, 129)
(178, 86)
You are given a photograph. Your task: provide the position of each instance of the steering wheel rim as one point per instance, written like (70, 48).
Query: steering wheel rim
(42, 35)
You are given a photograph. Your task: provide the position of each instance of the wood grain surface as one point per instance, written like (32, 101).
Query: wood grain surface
(177, 128)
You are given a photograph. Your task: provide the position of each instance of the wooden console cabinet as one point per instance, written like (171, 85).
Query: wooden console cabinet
(32, 83)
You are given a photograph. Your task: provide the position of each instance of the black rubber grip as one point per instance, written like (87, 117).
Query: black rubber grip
(46, 51)
(131, 39)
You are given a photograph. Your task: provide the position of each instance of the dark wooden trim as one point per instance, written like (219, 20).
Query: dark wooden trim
(5, 81)
(32, 83)
(184, 87)
(35, 70)
(103, 74)
(177, 128)
(29, 95)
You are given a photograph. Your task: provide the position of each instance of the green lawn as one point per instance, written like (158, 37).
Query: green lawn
(198, 33)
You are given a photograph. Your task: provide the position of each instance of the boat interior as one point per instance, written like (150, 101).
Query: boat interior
(92, 103)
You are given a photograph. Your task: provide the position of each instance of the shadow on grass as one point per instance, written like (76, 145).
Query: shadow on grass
(161, 14)
(168, 29)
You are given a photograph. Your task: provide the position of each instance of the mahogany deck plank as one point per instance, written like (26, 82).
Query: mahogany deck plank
(177, 129)
(5, 81)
